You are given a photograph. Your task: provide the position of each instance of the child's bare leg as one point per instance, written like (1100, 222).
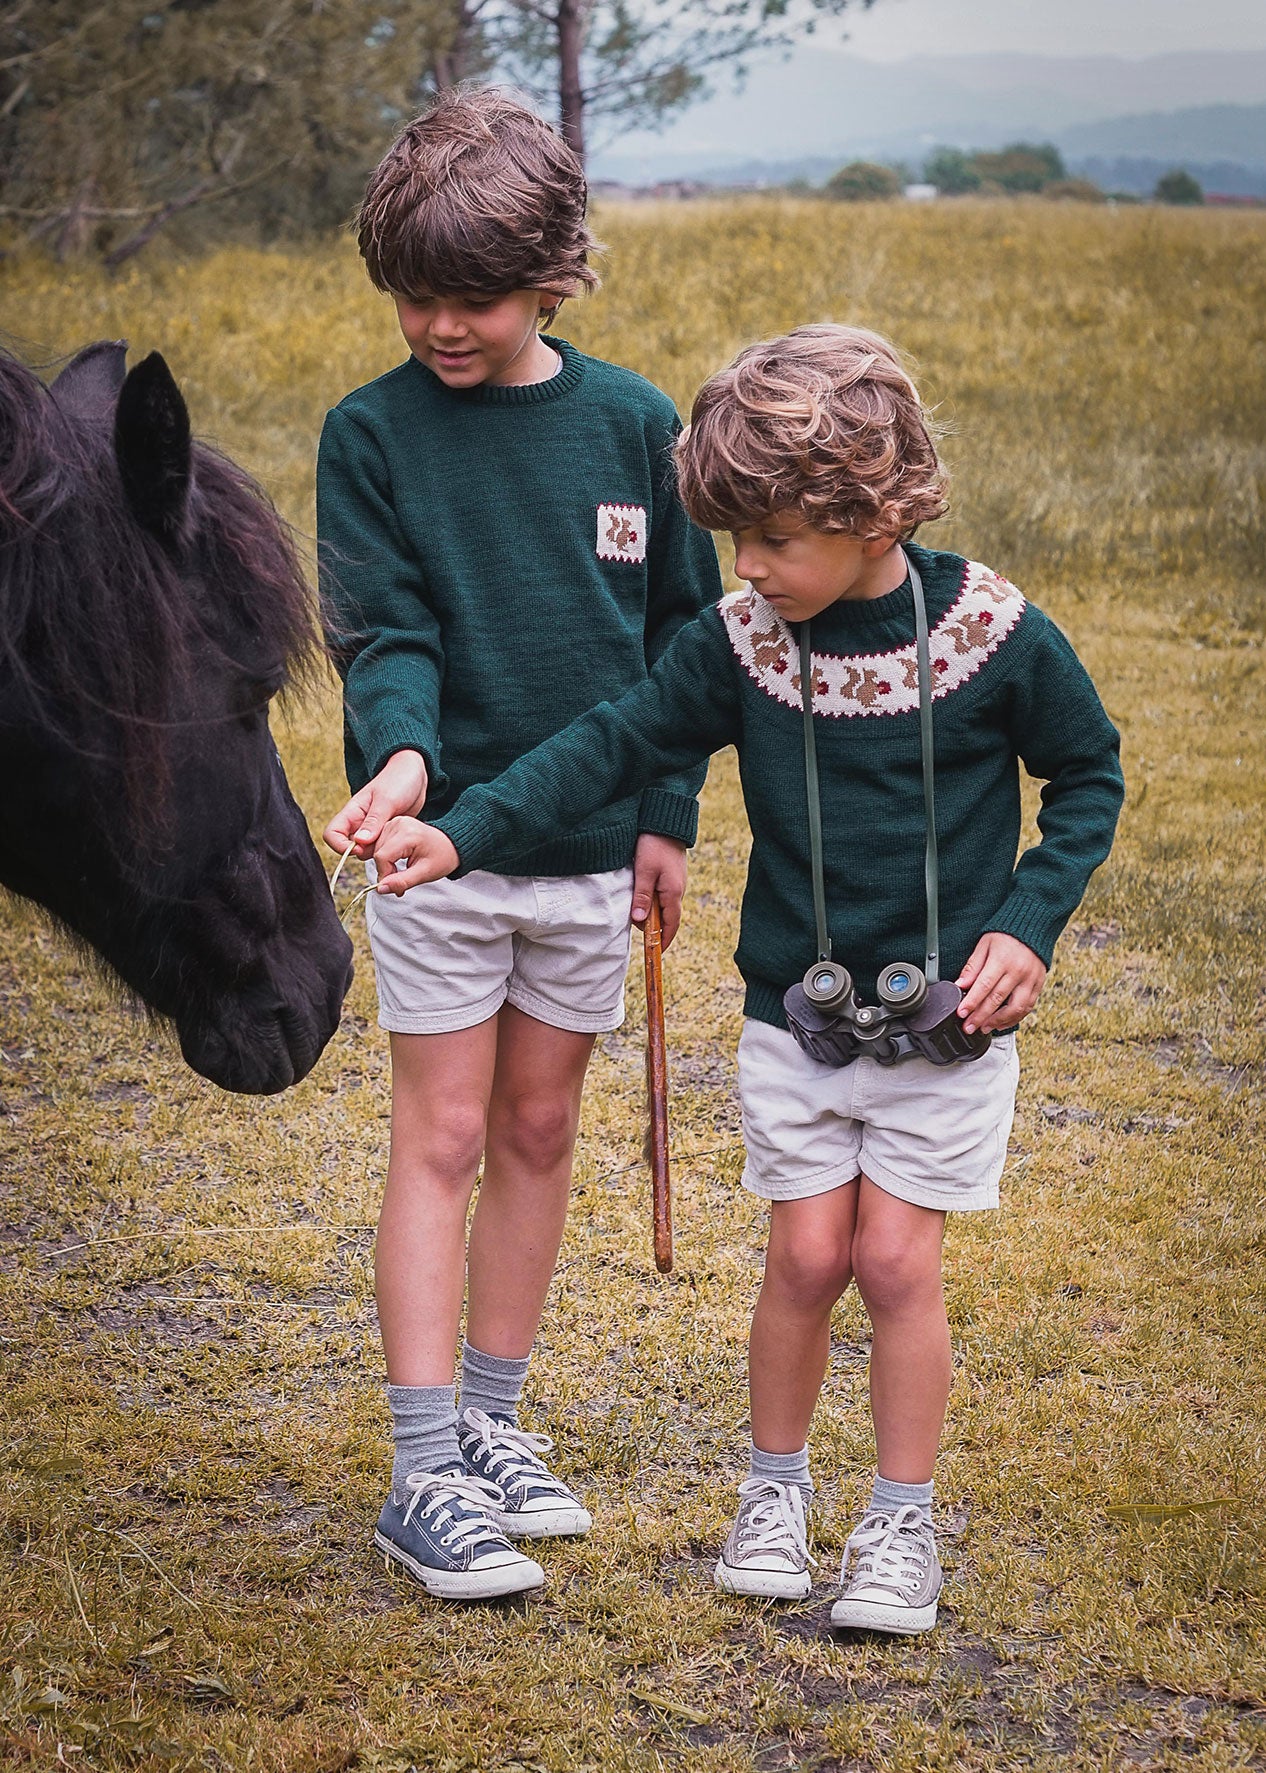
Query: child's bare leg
(441, 1084)
(533, 1114)
(896, 1258)
(808, 1266)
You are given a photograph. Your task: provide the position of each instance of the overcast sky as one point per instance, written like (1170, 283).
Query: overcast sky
(896, 28)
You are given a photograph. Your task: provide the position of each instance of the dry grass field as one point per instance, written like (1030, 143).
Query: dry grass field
(192, 1429)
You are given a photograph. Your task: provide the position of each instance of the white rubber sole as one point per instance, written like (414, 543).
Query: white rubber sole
(545, 1523)
(772, 1585)
(847, 1615)
(479, 1584)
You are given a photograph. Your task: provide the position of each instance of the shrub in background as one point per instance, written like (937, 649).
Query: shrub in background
(1074, 191)
(863, 182)
(951, 171)
(1178, 187)
(1022, 166)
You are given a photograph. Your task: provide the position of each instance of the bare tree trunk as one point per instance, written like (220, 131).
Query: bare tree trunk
(571, 20)
(459, 61)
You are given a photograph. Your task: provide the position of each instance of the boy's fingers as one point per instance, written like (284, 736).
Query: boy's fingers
(670, 908)
(643, 893)
(975, 960)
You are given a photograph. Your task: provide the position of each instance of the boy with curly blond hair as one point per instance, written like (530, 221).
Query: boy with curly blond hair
(503, 549)
(930, 679)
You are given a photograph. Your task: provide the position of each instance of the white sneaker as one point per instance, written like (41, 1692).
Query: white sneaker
(767, 1552)
(444, 1538)
(532, 1501)
(896, 1575)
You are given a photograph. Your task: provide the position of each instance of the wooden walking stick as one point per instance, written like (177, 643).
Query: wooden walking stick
(657, 1091)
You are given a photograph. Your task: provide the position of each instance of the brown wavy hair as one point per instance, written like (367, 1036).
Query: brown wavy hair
(477, 195)
(823, 421)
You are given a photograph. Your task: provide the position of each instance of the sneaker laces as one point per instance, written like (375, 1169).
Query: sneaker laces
(891, 1550)
(459, 1498)
(771, 1519)
(512, 1452)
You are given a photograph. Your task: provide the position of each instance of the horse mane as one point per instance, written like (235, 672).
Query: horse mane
(107, 628)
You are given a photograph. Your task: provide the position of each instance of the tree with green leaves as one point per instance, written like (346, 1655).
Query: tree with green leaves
(631, 62)
(1178, 187)
(115, 120)
(950, 170)
(1021, 167)
(862, 181)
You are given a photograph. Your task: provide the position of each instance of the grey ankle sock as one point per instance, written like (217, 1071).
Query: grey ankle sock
(423, 1430)
(782, 1468)
(887, 1497)
(492, 1382)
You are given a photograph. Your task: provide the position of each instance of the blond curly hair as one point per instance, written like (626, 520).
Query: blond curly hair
(477, 196)
(824, 422)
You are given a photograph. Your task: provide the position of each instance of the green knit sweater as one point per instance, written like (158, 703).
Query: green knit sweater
(1007, 689)
(498, 560)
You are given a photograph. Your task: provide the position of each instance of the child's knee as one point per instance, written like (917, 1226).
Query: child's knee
(539, 1131)
(894, 1271)
(447, 1150)
(809, 1273)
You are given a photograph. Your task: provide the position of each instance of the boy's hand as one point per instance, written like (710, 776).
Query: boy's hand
(399, 787)
(429, 854)
(1001, 983)
(659, 866)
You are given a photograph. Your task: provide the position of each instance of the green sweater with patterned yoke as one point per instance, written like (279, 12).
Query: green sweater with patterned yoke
(498, 560)
(1007, 689)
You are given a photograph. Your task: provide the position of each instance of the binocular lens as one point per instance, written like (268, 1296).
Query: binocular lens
(901, 987)
(828, 984)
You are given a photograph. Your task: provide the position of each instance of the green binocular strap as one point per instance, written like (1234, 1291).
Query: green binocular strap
(931, 876)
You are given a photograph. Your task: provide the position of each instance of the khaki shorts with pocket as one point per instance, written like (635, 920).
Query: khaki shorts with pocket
(449, 954)
(934, 1135)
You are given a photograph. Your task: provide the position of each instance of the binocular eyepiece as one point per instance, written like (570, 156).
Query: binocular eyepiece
(914, 1018)
(900, 987)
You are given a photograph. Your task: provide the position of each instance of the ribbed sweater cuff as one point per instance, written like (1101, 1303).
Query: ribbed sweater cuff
(386, 744)
(1032, 922)
(666, 814)
(471, 836)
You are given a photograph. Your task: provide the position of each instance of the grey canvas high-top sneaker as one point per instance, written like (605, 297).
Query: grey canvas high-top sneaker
(891, 1575)
(767, 1552)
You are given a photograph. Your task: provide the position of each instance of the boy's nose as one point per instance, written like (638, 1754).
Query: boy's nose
(446, 323)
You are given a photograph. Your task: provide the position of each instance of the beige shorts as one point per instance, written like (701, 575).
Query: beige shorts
(934, 1135)
(448, 955)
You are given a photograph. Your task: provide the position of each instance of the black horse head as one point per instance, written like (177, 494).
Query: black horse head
(152, 604)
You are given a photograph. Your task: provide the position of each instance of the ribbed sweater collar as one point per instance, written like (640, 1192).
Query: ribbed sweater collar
(565, 381)
(892, 615)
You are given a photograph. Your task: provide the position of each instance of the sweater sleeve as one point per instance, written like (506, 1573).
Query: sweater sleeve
(384, 636)
(685, 710)
(1064, 738)
(682, 578)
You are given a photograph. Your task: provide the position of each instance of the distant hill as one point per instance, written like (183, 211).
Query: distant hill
(822, 105)
(1202, 132)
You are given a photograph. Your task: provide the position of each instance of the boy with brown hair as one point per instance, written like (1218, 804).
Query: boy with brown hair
(881, 696)
(503, 549)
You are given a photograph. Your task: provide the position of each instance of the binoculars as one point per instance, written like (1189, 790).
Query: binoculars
(915, 1018)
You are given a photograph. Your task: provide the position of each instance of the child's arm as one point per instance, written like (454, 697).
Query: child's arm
(682, 579)
(385, 637)
(687, 709)
(1064, 738)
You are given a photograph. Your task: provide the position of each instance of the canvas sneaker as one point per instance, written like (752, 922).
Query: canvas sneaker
(891, 1575)
(767, 1552)
(445, 1538)
(531, 1502)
